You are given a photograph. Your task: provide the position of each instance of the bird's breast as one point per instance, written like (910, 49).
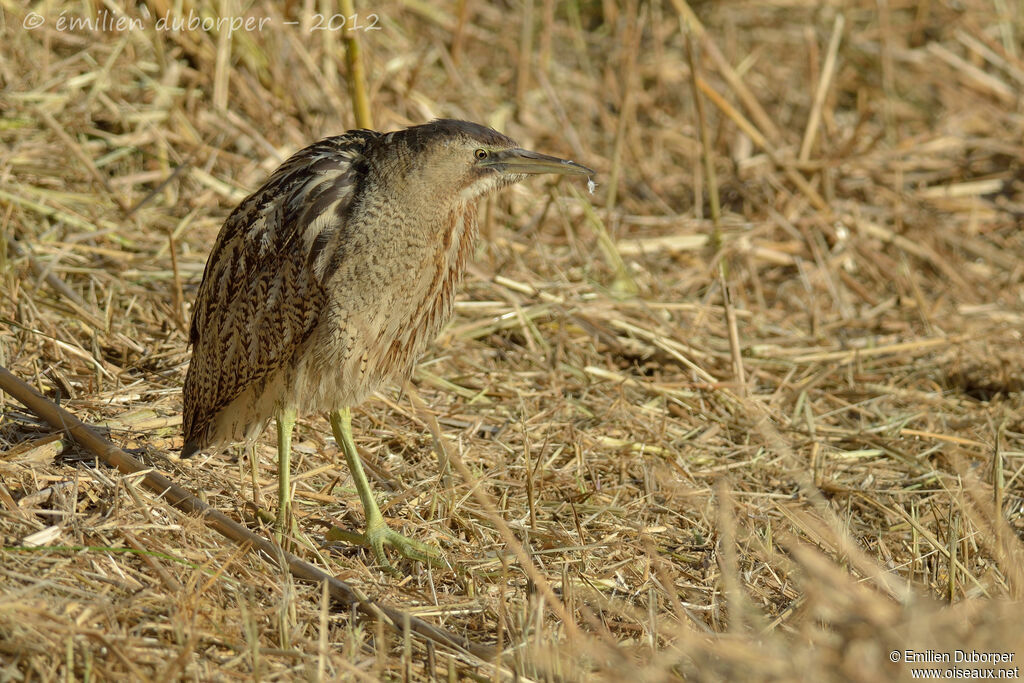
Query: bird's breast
(393, 301)
(423, 309)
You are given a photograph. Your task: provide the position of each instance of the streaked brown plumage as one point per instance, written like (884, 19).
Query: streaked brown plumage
(327, 282)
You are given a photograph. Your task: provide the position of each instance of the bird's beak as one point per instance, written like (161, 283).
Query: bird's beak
(524, 161)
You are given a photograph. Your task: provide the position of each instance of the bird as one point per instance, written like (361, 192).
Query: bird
(327, 283)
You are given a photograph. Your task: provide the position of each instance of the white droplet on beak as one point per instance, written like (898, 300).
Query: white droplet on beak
(591, 185)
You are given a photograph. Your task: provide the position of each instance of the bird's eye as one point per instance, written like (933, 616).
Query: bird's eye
(481, 154)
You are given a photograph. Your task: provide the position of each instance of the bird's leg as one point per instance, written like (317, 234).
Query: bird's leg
(285, 425)
(378, 533)
(257, 495)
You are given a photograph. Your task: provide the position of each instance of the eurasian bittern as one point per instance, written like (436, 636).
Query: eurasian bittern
(327, 282)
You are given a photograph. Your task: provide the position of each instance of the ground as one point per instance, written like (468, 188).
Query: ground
(767, 427)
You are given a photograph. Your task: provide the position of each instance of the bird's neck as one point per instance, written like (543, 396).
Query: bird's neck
(458, 242)
(455, 239)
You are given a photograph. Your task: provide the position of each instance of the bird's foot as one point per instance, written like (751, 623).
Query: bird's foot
(285, 533)
(284, 520)
(379, 535)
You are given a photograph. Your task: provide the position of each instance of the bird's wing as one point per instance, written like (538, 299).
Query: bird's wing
(263, 288)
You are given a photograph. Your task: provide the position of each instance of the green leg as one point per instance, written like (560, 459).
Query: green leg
(285, 425)
(377, 531)
(257, 496)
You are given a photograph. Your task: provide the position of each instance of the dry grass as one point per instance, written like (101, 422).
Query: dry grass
(789, 482)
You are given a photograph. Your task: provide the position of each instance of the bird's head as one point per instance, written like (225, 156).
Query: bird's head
(466, 160)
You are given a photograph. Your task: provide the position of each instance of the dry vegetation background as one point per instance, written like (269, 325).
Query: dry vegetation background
(787, 486)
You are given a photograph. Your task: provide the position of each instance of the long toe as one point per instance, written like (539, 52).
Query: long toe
(377, 537)
(410, 548)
